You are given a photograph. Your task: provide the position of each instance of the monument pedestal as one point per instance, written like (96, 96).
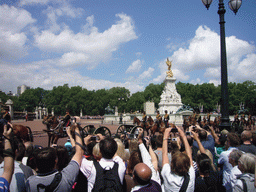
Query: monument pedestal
(170, 98)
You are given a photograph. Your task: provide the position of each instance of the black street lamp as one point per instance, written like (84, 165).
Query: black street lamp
(234, 6)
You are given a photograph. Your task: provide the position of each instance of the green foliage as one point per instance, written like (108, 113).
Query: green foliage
(94, 102)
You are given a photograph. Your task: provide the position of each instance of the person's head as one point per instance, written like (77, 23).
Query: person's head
(165, 111)
(142, 174)
(233, 140)
(96, 152)
(234, 156)
(246, 136)
(180, 163)
(63, 157)
(46, 159)
(121, 152)
(134, 159)
(20, 151)
(203, 163)
(157, 112)
(190, 140)
(133, 145)
(202, 135)
(67, 111)
(209, 154)
(246, 163)
(159, 141)
(108, 148)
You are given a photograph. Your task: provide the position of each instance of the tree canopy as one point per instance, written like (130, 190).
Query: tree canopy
(96, 101)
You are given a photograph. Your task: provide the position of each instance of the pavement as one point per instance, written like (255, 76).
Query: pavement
(41, 137)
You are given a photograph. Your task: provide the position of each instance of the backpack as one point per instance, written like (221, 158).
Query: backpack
(107, 180)
(53, 185)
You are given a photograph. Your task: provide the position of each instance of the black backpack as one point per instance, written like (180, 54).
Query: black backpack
(107, 180)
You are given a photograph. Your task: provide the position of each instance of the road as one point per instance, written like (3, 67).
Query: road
(41, 138)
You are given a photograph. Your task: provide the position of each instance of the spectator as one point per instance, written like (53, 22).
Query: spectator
(232, 142)
(21, 172)
(246, 164)
(109, 161)
(46, 161)
(206, 139)
(145, 175)
(233, 158)
(6, 176)
(158, 151)
(121, 152)
(247, 146)
(181, 167)
(208, 178)
(142, 175)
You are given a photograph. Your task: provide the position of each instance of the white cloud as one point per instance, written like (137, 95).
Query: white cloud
(12, 37)
(196, 81)
(97, 47)
(63, 9)
(71, 58)
(147, 74)
(33, 2)
(134, 67)
(203, 53)
(43, 74)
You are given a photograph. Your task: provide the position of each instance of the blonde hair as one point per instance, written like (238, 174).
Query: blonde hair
(248, 162)
(121, 152)
(209, 154)
(96, 151)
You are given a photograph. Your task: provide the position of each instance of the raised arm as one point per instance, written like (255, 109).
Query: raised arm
(152, 154)
(79, 147)
(165, 158)
(8, 155)
(215, 136)
(201, 147)
(185, 142)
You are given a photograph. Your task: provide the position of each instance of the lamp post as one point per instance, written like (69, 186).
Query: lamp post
(234, 6)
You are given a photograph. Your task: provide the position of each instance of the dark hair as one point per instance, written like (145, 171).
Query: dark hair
(63, 157)
(159, 140)
(203, 163)
(20, 151)
(134, 159)
(234, 139)
(180, 163)
(108, 147)
(202, 135)
(45, 159)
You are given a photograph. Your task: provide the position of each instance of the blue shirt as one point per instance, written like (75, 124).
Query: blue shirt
(4, 185)
(209, 144)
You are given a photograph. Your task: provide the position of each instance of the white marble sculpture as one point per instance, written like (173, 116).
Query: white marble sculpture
(170, 98)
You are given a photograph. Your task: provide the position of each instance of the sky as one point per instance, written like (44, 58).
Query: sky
(115, 43)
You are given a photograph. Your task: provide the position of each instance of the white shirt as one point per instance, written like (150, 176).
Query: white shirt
(89, 170)
(146, 158)
(173, 182)
(223, 160)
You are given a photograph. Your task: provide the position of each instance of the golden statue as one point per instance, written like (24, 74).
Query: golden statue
(169, 72)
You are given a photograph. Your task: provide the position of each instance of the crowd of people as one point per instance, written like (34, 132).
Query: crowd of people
(189, 160)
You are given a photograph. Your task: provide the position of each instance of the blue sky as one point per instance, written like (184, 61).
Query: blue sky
(103, 44)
